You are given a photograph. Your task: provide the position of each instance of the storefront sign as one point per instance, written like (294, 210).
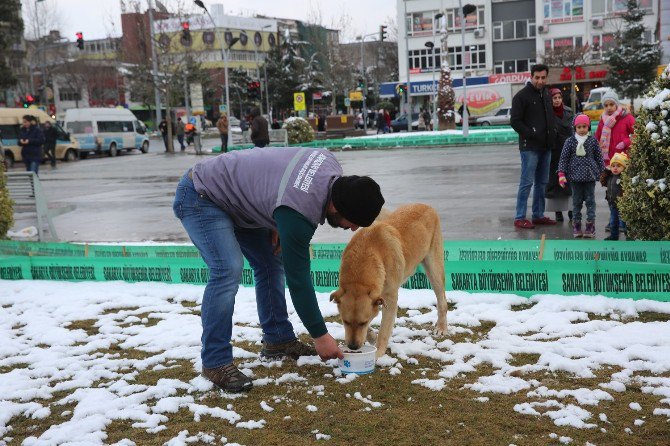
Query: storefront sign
(512, 78)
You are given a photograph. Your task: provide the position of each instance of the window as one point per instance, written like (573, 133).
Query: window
(563, 42)
(420, 23)
(604, 7)
(475, 57)
(513, 66)
(80, 127)
(9, 131)
(514, 29)
(600, 44)
(473, 20)
(563, 10)
(140, 128)
(114, 126)
(69, 95)
(421, 59)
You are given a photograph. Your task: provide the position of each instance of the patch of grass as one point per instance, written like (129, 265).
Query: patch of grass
(88, 325)
(188, 304)
(522, 307)
(524, 359)
(9, 368)
(118, 310)
(650, 316)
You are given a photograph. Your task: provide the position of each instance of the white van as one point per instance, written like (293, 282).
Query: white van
(106, 130)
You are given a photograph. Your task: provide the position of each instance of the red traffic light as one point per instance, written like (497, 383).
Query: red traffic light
(29, 98)
(185, 26)
(80, 36)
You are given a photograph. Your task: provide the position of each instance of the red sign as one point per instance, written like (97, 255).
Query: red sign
(598, 74)
(512, 78)
(566, 75)
(317, 96)
(414, 70)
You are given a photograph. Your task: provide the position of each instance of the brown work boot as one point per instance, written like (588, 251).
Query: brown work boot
(293, 349)
(228, 378)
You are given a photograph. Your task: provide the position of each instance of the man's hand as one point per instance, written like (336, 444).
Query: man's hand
(276, 244)
(327, 348)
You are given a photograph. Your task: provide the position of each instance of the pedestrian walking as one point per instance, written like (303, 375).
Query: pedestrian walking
(581, 165)
(533, 119)
(180, 133)
(387, 121)
(380, 122)
(31, 139)
(259, 129)
(222, 126)
(421, 124)
(261, 204)
(427, 119)
(163, 127)
(50, 141)
(557, 198)
(614, 131)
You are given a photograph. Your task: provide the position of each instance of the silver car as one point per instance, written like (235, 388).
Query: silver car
(502, 117)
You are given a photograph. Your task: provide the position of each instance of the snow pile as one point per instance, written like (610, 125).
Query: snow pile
(48, 350)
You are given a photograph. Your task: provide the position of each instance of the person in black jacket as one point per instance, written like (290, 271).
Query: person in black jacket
(31, 139)
(50, 140)
(259, 129)
(557, 198)
(533, 119)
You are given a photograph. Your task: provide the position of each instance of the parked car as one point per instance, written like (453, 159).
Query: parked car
(501, 117)
(234, 125)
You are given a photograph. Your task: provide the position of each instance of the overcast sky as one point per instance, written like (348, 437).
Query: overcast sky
(102, 18)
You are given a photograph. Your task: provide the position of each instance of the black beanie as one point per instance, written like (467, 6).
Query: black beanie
(358, 199)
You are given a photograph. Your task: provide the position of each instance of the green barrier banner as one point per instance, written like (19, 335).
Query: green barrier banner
(524, 278)
(528, 250)
(454, 251)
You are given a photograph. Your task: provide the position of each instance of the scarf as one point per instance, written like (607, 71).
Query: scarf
(558, 111)
(605, 136)
(580, 144)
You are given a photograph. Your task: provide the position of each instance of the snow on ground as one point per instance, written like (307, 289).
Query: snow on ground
(41, 356)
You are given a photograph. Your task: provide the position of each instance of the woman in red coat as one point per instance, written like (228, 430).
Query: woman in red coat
(615, 128)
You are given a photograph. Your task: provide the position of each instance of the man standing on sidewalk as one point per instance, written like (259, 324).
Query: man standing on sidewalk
(50, 140)
(533, 119)
(180, 133)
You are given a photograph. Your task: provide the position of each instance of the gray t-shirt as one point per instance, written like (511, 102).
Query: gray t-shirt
(250, 184)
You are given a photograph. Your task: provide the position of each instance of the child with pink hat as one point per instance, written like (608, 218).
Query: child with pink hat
(581, 164)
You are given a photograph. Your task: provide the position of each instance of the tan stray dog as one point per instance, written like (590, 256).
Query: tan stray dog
(377, 261)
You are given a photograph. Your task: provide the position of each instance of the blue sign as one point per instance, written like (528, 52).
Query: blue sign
(426, 88)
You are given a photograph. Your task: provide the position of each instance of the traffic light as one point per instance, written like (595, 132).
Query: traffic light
(80, 40)
(185, 34)
(382, 33)
(253, 89)
(361, 84)
(401, 89)
(28, 101)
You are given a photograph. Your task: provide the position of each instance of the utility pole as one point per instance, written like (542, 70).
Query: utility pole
(154, 66)
(408, 97)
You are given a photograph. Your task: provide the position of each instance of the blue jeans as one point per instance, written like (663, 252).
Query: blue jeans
(32, 166)
(180, 138)
(584, 193)
(222, 245)
(616, 223)
(534, 174)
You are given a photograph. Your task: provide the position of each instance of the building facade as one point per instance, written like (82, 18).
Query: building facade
(503, 38)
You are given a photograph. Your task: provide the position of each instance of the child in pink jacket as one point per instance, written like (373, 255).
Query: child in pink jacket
(615, 127)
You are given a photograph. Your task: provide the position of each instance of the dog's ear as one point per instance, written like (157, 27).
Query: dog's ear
(379, 302)
(335, 295)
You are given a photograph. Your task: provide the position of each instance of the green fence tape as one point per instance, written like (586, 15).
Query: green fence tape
(454, 251)
(524, 278)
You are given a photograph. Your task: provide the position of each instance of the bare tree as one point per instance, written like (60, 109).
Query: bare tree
(571, 58)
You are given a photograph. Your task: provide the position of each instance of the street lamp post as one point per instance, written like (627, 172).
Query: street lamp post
(224, 55)
(434, 117)
(154, 66)
(365, 86)
(464, 11)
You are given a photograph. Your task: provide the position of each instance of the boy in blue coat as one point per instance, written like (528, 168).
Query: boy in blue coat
(581, 164)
